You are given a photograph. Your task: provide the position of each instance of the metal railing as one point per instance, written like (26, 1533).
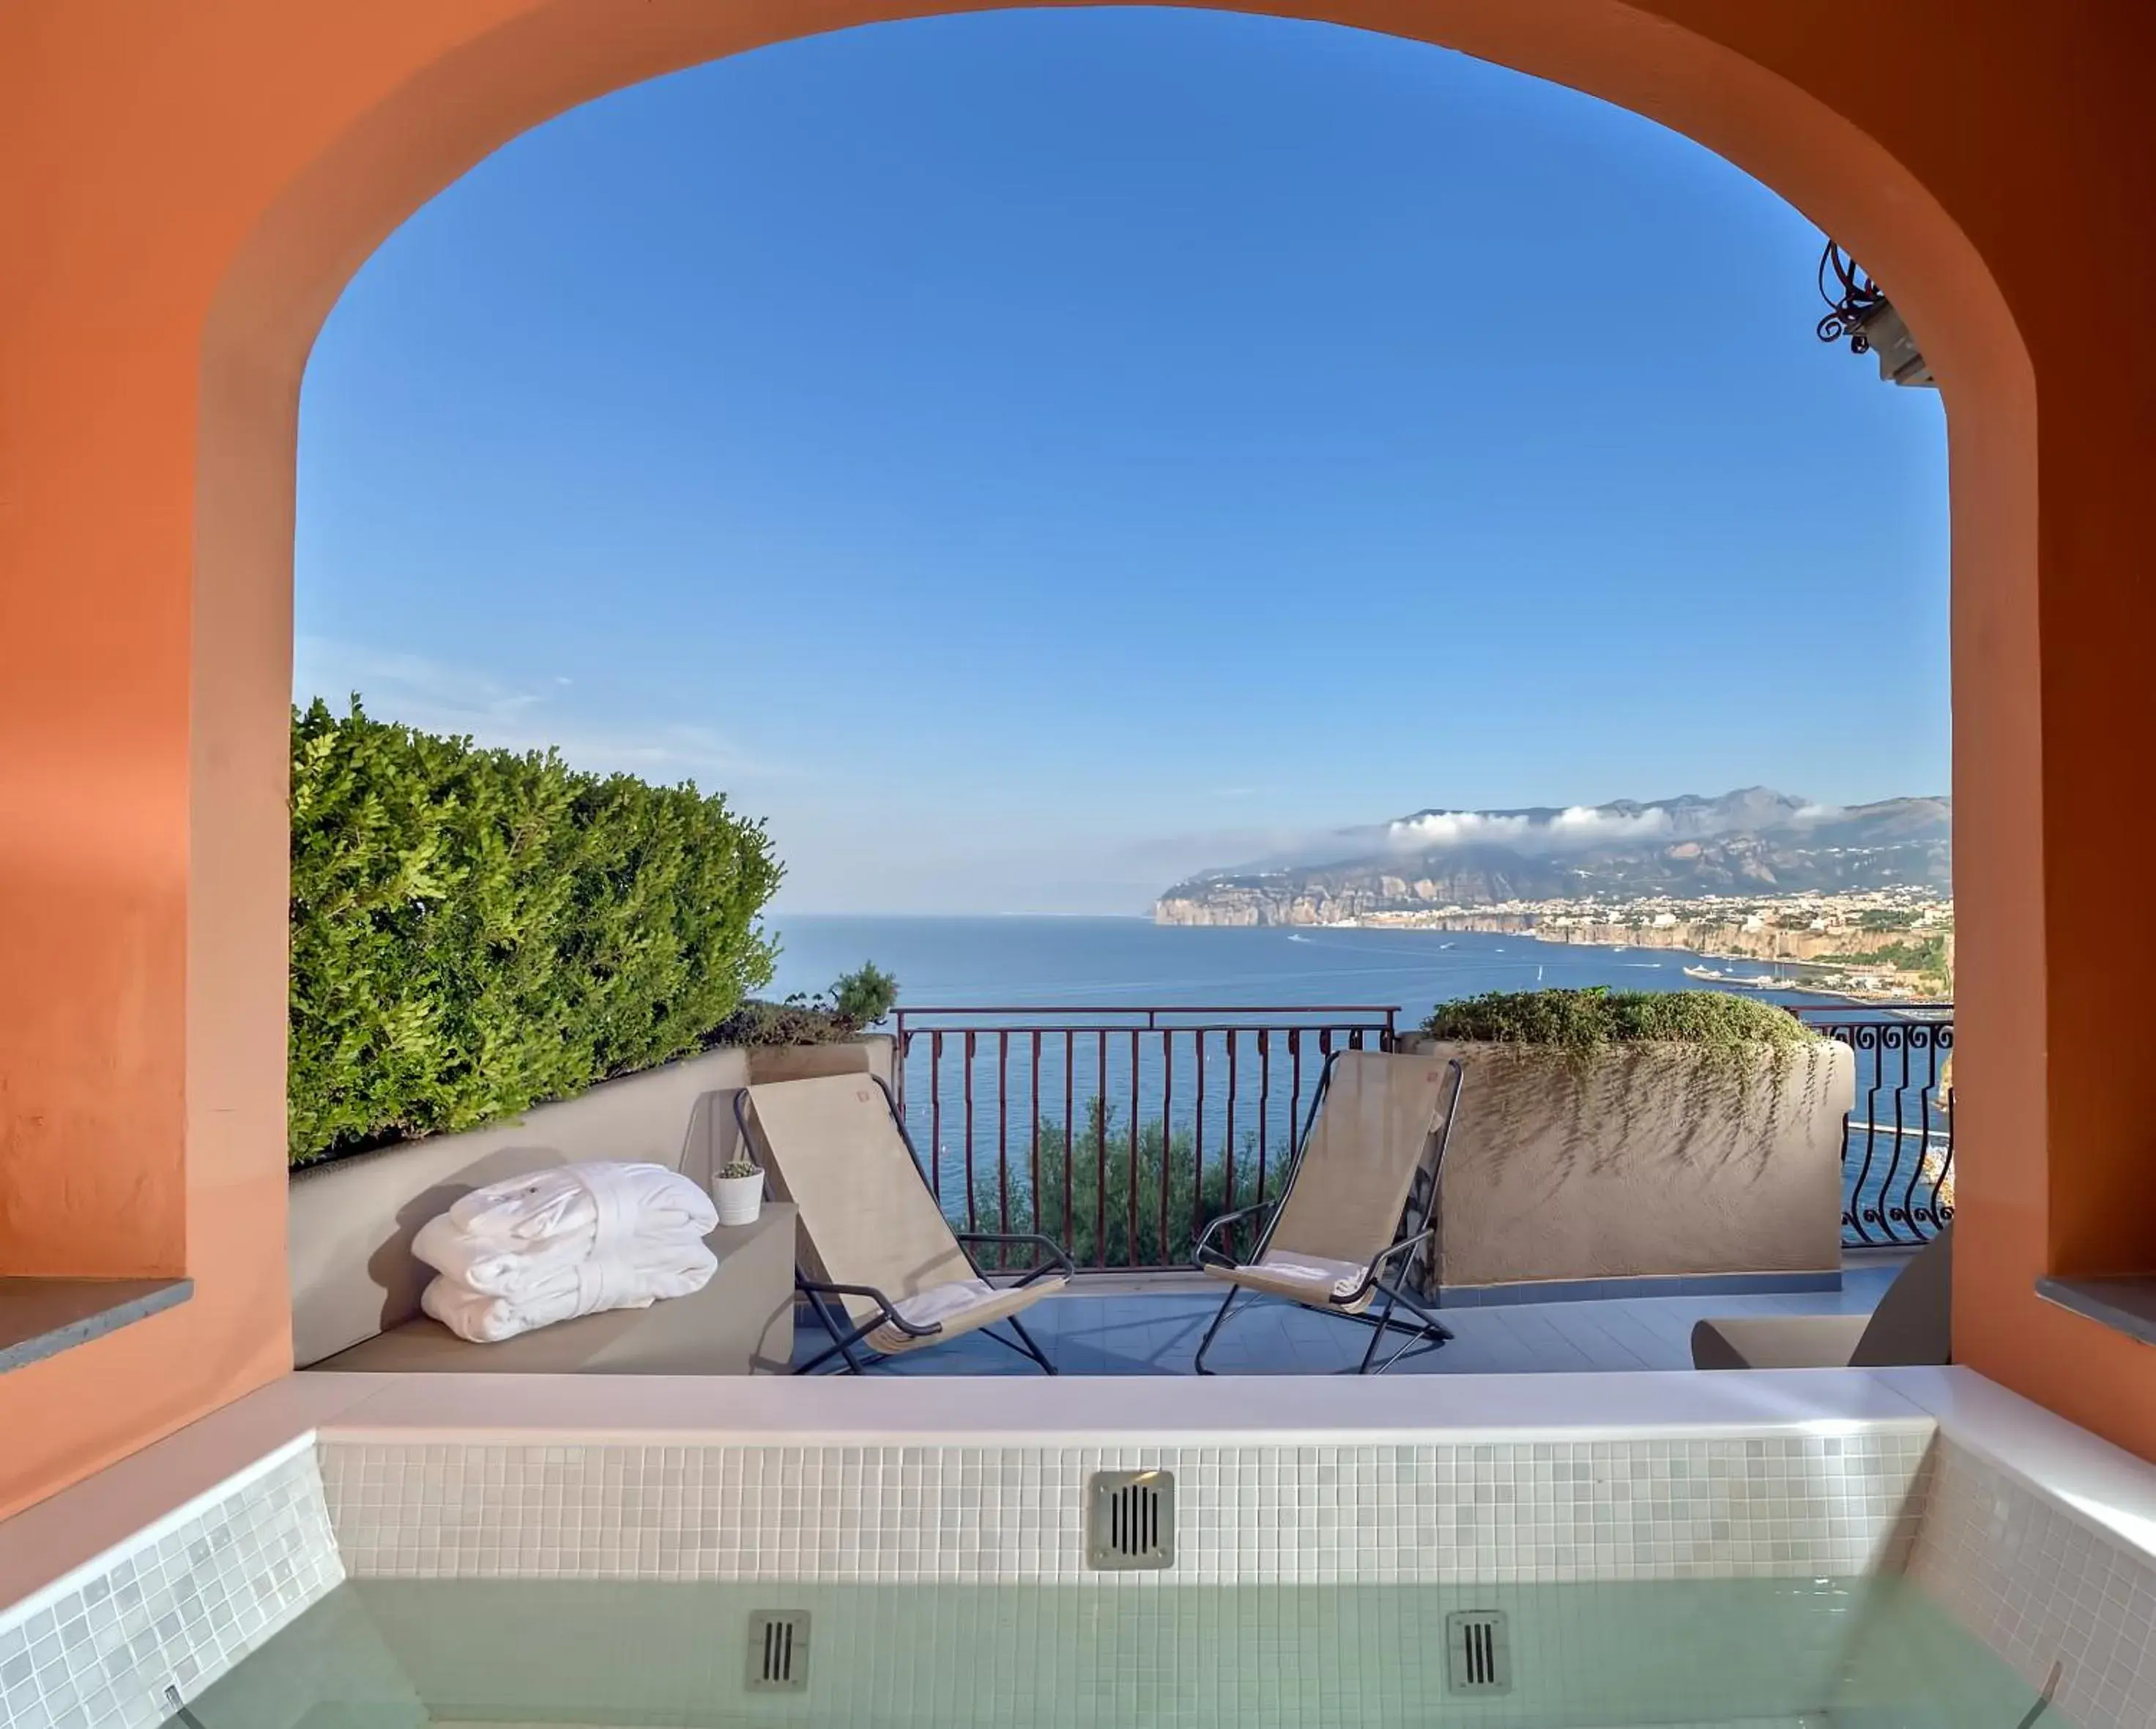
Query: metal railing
(1897, 1144)
(1120, 1133)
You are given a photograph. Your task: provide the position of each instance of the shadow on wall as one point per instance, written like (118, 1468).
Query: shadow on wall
(1651, 1161)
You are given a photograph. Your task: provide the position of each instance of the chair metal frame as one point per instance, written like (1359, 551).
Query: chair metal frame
(1415, 1231)
(848, 1337)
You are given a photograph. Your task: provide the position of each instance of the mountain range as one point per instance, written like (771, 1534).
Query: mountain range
(1754, 841)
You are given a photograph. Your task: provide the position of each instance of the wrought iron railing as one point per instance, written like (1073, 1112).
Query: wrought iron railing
(1897, 1180)
(1118, 1132)
(1122, 1133)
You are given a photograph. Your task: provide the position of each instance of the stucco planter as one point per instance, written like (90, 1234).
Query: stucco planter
(1645, 1160)
(767, 1062)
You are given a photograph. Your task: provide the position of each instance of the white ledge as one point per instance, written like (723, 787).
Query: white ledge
(953, 1410)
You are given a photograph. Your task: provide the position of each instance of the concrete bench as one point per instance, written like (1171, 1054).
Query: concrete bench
(355, 1283)
(741, 1323)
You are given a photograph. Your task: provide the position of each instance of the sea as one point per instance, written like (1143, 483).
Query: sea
(977, 1099)
(947, 962)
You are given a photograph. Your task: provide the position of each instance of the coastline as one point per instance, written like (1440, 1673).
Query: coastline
(1709, 941)
(1133, 962)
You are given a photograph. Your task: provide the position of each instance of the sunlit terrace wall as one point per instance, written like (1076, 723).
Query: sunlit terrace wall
(184, 191)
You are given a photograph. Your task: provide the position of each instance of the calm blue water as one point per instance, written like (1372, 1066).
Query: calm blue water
(986, 1102)
(1120, 962)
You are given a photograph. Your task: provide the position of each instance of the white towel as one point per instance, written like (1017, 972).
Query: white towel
(603, 1203)
(939, 1303)
(1338, 1279)
(584, 1288)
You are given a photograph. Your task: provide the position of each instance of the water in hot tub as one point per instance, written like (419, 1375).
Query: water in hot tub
(1868, 1654)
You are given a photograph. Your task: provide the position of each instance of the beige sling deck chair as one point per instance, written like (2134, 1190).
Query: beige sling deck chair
(1344, 1233)
(1912, 1325)
(879, 1266)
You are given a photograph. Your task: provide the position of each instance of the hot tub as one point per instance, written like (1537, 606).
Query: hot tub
(1911, 1547)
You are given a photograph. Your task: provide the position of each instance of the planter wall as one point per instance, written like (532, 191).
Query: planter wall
(1642, 1163)
(352, 1220)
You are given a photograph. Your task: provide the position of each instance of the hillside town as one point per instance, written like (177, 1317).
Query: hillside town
(1887, 944)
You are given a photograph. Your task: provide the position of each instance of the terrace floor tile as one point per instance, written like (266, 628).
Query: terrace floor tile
(1155, 1332)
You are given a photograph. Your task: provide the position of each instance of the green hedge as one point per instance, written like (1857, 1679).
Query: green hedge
(475, 931)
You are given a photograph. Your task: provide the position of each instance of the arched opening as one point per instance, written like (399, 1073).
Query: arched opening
(1024, 456)
(299, 183)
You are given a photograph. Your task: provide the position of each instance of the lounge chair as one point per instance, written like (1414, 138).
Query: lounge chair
(1911, 1325)
(881, 1268)
(1344, 1232)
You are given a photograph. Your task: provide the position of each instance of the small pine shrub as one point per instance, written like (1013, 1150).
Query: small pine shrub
(866, 995)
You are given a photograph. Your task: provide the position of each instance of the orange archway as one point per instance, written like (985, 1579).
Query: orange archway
(185, 191)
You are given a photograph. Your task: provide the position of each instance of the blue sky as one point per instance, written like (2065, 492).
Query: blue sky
(1030, 456)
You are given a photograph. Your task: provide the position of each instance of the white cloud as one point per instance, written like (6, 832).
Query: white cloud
(1580, 825)
(1457, 828)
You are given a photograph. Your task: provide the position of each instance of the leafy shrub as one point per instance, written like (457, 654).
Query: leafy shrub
(1106, 1190)
(474, 931)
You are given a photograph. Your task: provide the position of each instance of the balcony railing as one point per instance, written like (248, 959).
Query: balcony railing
(1118, 1132)
(1121, 1132)
(1898, 1179)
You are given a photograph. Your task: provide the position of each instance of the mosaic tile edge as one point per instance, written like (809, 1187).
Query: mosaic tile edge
(175, 1605)
(1551, 1512)
(2020, 1571)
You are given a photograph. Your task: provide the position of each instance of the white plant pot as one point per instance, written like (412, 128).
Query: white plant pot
(739, 1199)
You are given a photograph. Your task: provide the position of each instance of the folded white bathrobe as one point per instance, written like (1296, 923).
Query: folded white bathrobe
(599, 1203)
(619, 1280)
(498, 1266)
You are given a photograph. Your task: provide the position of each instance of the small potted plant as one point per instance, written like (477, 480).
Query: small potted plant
(737, 1192)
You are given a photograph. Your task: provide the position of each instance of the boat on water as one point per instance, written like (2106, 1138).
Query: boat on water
(1758, 982)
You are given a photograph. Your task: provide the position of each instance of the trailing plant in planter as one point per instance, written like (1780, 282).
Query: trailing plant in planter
(1585, 1022)
(760, 1023)
(1739, 1047)
(855, 1001)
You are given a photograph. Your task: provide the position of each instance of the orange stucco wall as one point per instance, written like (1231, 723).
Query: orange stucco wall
(185, 188)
